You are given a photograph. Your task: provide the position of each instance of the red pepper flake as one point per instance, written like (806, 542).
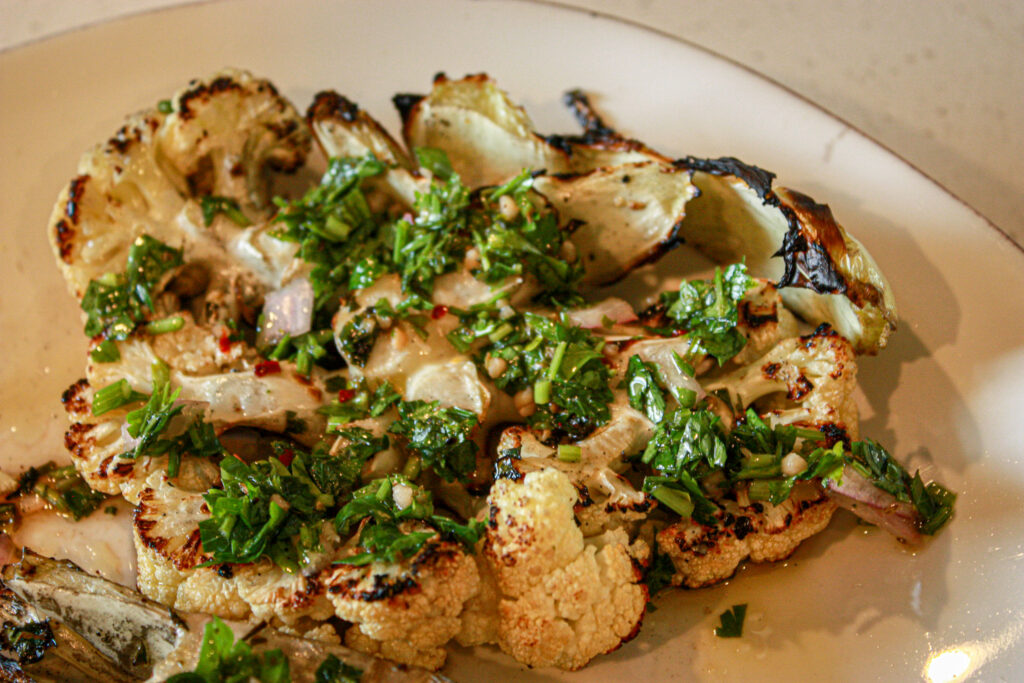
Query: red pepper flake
(439, 312)
(225, 341)
(267, 367)
(345, 395)
(286, 457)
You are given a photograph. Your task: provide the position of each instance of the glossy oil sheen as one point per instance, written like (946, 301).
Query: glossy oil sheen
(947, 393)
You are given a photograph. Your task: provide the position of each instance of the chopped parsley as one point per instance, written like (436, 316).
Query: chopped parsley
(105, 352)
(149, 424)
(644, 392)
(732, 622)
(561, 363)
(691, 445)
(687, 446)
(304, 349)
(395, 532)
(222, 658)
(658, 575)
(707, 310)
(528, 242)
(116, 303)
(358, 401)
(276, 510)
(62, 488)
(359, 334)
(335, 230)
(441, 437)
(333, 670)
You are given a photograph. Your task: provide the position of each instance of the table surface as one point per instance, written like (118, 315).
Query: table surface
(938, 82)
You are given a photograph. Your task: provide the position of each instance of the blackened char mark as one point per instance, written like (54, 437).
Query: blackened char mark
(834, 433)
(563, 143)
(405, 102)
(64, 236)
(329, 104)
(759, 180)
(807, 263)
(753, 316)
(75, 191)
(200, 92)
(743, 528)
(594, 127)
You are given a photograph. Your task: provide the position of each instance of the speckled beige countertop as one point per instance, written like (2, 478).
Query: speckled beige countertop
(938, 82)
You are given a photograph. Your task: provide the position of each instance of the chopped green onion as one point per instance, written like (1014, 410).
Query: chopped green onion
(500, 333)
(171, 324)
(105, 352)
(556, 361)
(542, 391)
(760, 490)
(114, 396)
(678, 501)
(161, 373)
(413, 467)
(532, 346)
(109, 279)
(164, 107)
(281, 349)
(569, 453)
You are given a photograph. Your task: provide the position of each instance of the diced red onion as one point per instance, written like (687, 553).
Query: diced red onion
(872, 504)
(289, 311)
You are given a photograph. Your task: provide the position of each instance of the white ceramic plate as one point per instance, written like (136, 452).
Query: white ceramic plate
(948, 393)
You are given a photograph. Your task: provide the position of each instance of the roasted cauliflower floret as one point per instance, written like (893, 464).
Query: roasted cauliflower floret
(221, 138)
(563, 600)
(605, 498)
(706, 554)
(807, 380)
(405, 612)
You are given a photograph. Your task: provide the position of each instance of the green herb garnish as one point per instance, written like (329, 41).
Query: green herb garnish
(439, 436)
(105, 352)
(149, 423)
(707, 310)
(213, 205)
(644, 391)
(223, 659)
(396, 532)
(116, 303)
(732, 622)
(276, 510)
(561, 363)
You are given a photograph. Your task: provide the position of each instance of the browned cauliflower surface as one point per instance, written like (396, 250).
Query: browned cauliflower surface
(393, 409)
